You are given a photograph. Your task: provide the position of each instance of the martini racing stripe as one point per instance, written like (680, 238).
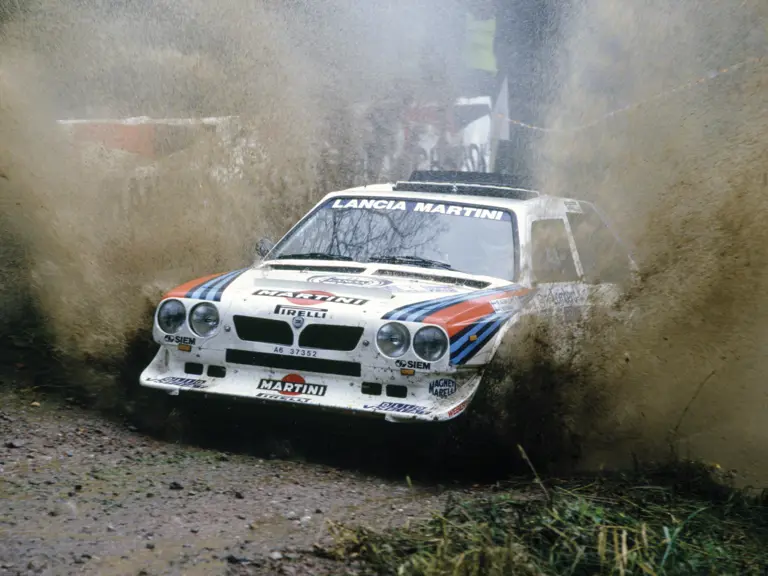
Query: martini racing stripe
(213, 289)
(418, 311)
(460, 339)
(463, 350)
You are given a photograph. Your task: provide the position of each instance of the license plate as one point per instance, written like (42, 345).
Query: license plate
(295, 351)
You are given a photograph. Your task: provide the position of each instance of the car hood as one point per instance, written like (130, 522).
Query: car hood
(375, 290)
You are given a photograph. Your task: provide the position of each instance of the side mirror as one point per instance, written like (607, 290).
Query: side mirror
(264, 246)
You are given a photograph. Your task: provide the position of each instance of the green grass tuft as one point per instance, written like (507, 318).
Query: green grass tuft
(678, 520)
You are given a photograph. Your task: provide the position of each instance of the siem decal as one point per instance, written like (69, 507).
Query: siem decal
(310, 297)
(415, 364)
(442, 388)
(283, 398)
(299, 311)
(180, 340)
(361, 281)
(398, 407)
(292, 385)
(457, 409)
(182, 382)
(426, 207)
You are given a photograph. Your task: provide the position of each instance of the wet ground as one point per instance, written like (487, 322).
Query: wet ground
(81, 493)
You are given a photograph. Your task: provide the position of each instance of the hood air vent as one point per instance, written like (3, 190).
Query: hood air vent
(312, 267)
(432, 278)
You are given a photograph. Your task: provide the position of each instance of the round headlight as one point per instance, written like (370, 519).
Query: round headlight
(171, 316)
(430, 343)
(393, 339)
(204, 319)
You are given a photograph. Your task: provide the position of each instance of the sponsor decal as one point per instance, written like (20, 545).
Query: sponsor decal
(292, 385)
(442, 388)
(359, 281)
(421, 288)
(511, 304)
(426, 207)
(457, 409)
(283, 398)
(440, 289)
(310, 297)
(415, 364)
(398, 407)
(300, 311)
(182, 382)
(565, 297)
(179, 340)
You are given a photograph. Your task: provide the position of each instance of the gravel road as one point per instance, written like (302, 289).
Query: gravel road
(81, 493)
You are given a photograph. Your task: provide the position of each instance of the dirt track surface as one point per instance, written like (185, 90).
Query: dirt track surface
(83, 495)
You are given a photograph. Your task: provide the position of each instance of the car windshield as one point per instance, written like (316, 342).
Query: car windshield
(442, 235)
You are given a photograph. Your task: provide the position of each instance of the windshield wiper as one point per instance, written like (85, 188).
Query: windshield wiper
(313, 256)
(413, 260)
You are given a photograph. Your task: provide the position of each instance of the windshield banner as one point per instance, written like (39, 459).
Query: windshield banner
(448, 209)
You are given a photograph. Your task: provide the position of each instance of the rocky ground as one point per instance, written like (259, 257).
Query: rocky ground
(81, 493)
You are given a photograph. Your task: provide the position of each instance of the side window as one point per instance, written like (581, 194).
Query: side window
(552, 259)
(602, 256)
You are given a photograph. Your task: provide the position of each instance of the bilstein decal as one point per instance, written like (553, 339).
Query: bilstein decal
(181, 382)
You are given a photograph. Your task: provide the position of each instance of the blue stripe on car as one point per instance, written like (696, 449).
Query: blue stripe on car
(419, 310)
(468, 352)
(215, 292)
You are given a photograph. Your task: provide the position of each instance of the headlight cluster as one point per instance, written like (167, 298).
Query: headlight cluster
(430, 343)
(203, 318)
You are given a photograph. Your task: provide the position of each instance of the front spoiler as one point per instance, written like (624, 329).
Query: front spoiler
(342, 394)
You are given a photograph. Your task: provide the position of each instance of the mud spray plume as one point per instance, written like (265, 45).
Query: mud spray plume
(92, 238)
(680, 364)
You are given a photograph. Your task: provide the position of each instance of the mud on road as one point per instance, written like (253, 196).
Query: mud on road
(81, 493)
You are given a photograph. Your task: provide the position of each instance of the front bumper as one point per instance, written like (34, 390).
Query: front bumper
(427, 396)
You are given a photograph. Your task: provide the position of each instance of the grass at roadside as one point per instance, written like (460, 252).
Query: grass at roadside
(677, 520)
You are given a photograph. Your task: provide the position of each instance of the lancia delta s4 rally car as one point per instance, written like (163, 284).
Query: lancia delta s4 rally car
(388, 300)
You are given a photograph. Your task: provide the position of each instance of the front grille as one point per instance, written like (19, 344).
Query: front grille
(283, 362)
(330, 337)
(263, 330)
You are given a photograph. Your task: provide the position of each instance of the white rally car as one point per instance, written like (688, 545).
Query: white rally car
(386, 300)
